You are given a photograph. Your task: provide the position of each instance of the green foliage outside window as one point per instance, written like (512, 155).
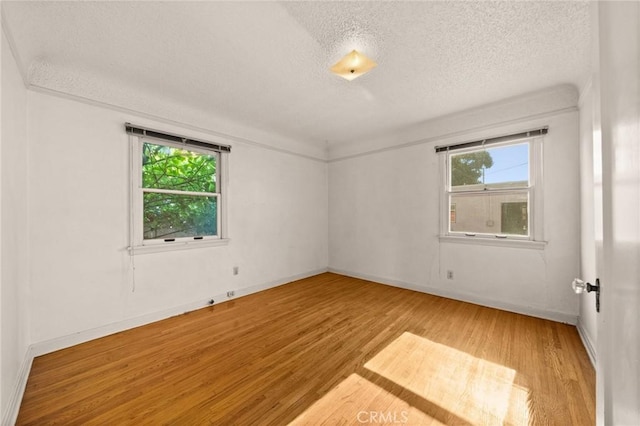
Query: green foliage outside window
(467, 169)
(174, 215)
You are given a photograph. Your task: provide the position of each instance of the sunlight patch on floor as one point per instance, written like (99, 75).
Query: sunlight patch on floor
(356, 400)
(469, 388)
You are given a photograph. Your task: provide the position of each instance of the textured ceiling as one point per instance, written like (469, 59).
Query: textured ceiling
(265, 64)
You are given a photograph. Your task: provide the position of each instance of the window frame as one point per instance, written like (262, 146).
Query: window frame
(535, 239)
(138, 244)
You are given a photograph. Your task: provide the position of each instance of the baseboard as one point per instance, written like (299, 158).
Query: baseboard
(53, 345)
(13, 408)
(256, 288)
(41, 348)
(587, 343)
(562, 317)
(45, 347)
(11, 415)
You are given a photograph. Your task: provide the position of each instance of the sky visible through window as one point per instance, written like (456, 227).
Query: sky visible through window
(510, 164)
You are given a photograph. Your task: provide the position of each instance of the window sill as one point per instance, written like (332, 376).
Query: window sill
(498, 242)
(173, 246)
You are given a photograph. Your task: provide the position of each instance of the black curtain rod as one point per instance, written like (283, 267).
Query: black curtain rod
(523, 135)
(156, 134)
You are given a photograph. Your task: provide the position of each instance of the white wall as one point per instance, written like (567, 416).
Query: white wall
(14, 230)
(82, 277)
(384, 224)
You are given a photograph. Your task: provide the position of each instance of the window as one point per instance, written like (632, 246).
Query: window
(492, 191)
(179, 193)
(176, 193)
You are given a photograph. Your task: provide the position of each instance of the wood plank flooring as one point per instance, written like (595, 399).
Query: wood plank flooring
(324, 350)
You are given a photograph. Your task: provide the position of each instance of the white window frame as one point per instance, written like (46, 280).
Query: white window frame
(535, 239)
(139, 245)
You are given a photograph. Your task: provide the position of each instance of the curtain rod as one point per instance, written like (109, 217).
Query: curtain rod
(157, 134)
(522, 135)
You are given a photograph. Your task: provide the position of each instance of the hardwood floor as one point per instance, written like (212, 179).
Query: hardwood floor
(324, 350)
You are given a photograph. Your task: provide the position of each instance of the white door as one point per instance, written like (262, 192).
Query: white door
(618, 347)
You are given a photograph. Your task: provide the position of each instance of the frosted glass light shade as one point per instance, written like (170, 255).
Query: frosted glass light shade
(353, 65)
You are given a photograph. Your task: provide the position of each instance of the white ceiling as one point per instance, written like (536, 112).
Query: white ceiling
(265, 64)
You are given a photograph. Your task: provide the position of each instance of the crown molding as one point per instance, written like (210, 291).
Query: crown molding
(459, 135)
(517, 109)
(12, 46)
(160, 119)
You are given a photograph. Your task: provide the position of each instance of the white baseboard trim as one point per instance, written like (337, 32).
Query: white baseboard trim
(45, 347)
(587, 343)
(11, 415)
(562, 317)
(62, 342)
(13, 408)
(271, 284)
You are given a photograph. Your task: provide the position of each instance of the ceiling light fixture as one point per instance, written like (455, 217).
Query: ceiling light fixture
(353, 65)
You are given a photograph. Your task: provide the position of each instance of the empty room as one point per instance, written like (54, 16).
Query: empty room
(320, 212)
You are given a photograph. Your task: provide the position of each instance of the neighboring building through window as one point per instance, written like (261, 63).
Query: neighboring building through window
(514, 218)
(490, 190)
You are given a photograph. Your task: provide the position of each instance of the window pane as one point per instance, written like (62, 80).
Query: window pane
(513, 217)
(175, 216)
(491, 213)
(494, 168)
(166, 167)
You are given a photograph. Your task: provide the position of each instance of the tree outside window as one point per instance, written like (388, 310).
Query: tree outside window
(180, 192)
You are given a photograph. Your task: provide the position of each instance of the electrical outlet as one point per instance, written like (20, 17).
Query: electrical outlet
(231, 293)
(449, 275)
(236, 269)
